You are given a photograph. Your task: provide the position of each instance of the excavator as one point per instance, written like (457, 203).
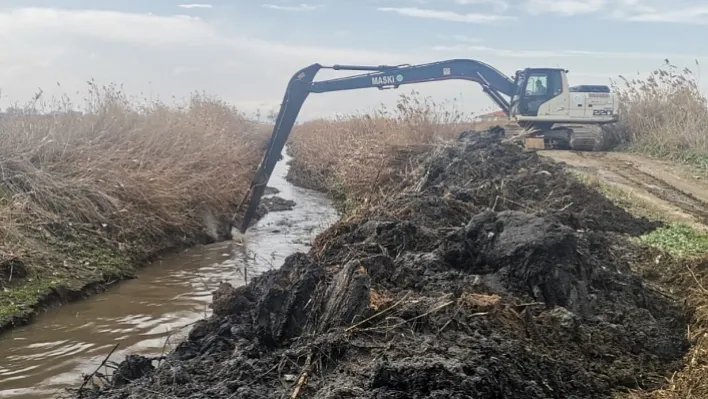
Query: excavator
(549, 113)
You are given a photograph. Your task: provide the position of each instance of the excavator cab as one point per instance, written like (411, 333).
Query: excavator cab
(536, 86)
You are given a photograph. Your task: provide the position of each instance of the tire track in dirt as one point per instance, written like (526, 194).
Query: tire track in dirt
(656, 186)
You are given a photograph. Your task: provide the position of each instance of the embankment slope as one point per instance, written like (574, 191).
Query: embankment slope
(491, 272)
(87, 197)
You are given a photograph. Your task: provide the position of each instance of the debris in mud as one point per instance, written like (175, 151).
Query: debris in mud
(270, 191)
(278, 204)
(132, 368)
(491, 275)
(484, 173)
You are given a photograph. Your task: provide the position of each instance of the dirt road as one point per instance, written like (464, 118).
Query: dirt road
(672, 192)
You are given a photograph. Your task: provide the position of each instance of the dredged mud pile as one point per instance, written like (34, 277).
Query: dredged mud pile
(493, 274)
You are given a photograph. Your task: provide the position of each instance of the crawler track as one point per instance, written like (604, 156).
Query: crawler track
(575, 137)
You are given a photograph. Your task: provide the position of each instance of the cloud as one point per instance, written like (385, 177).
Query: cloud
(167, 55)
(446, 15)
(499, 5)
(635, 6)
(195, 6)
(650, 11)
(499, 52)
(299, 7)
(567, 54)
(112, 26)
(459, 38)
(400, 1)
(565, 7)
(694, 15)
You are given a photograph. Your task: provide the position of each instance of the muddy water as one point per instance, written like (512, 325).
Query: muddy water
(147, 315)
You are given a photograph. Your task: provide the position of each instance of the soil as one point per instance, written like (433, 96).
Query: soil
(492, 274)
(270, 190)
(676, 191)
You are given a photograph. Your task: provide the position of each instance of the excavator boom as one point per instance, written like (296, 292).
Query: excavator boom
(493, 82)
(507, 93)
(395, 76)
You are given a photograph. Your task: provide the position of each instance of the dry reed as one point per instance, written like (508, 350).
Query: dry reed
(665, 115)
(357, 156)
(129, 178)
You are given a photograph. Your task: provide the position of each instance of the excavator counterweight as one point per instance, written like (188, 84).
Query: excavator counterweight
(539, 100)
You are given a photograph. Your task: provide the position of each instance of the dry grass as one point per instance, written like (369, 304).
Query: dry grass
(665, 115)
(357, 156)
(120, 180)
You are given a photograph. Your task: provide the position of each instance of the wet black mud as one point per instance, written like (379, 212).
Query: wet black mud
(493, 274)
(270, 190)
(278, 204)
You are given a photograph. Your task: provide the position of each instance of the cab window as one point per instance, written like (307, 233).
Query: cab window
(537, 85)
(555, 83)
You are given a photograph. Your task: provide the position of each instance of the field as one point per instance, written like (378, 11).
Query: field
(463, 265)
(87, 197)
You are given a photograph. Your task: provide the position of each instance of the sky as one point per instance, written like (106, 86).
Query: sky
(245, 51)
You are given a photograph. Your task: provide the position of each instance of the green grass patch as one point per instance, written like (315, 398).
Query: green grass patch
(679, 240)
(67, 263)
(20, 301)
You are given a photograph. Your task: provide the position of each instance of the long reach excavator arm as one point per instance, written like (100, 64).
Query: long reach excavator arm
(493, 82)
(537, 98)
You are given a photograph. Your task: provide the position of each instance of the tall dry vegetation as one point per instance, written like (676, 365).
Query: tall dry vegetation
(357, 155)
(135, 178)
(665, 115)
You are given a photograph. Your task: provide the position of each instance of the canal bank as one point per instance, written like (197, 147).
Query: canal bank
(149, 314)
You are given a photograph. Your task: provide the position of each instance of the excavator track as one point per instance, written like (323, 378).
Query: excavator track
(574, 137)
(590, 138)
(586, 138)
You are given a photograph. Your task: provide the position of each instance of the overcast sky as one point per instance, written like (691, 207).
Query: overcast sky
(245, 51)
